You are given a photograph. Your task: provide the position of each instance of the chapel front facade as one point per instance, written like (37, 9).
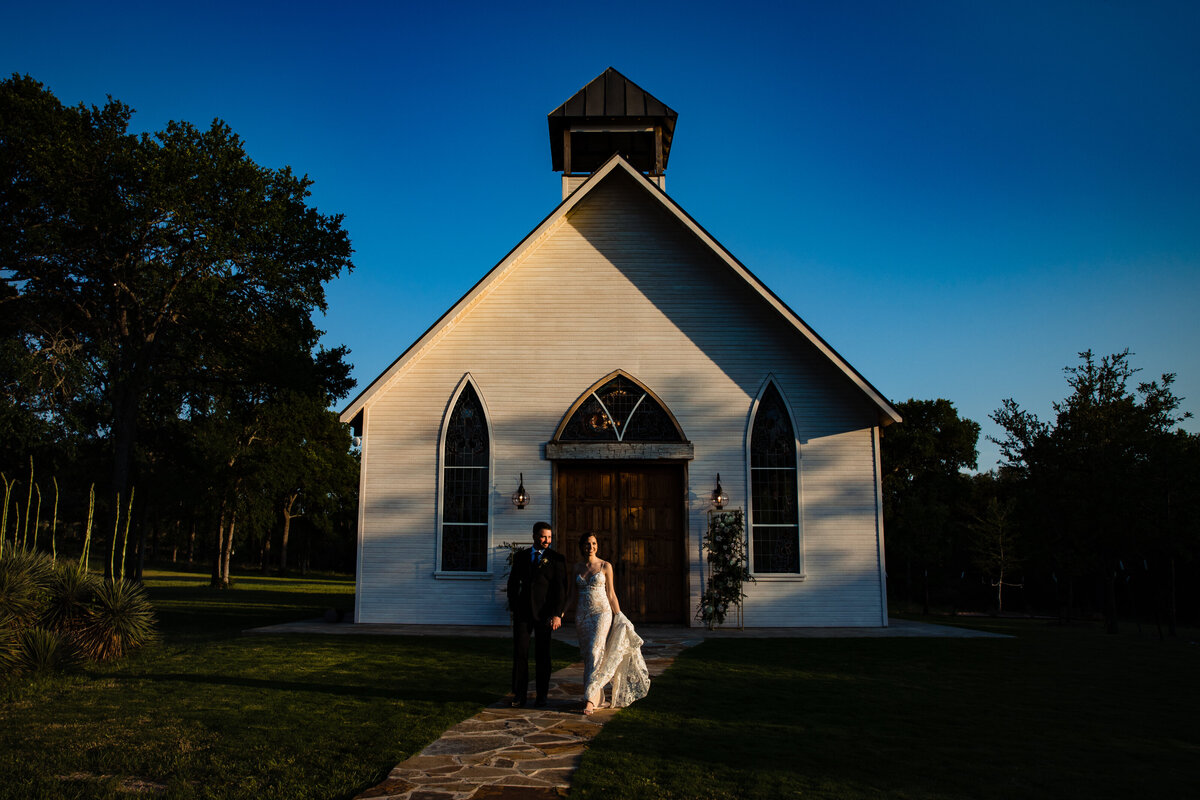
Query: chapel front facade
(611, 367)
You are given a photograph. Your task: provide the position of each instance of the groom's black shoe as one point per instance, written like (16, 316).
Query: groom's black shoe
(541, 701)
(518, 702)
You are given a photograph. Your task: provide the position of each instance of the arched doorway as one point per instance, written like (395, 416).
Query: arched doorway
(621, 473)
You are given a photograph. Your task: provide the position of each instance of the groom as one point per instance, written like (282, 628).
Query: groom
(537, 596)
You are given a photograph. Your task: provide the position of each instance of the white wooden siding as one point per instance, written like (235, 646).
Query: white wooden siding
(618, 284)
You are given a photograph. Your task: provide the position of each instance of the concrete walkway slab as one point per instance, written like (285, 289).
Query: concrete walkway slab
(897, 628)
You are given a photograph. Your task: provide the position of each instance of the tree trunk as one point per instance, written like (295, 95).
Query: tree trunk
(1110, 603)
(926, 603)
(227, 549)
(1171, 600)
(287, 527)
(908, 580)
(1000, 593)
(217, 580)
(139, 565)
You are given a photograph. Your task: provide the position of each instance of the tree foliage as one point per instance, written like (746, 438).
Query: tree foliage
(157, 293)
(1094, 510)
(1097, 481)
(924, 490)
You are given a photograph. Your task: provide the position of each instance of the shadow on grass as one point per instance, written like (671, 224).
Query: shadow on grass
(212, 713)
(190, 609)
(203, 581)
(1052, 713)
(244, 595)
(423, 694)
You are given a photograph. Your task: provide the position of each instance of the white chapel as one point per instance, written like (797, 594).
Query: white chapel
(601, 377)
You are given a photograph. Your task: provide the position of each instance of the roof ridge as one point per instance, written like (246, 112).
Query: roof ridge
(888, 412)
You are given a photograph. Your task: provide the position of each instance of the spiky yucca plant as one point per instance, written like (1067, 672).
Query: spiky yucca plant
(43, 651)
(24, 577)
(10, 648)
(120, 620)
(70, 593)
(53, 616)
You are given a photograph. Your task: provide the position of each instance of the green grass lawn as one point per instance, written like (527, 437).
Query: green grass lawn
(1056, 712)
(211, 713)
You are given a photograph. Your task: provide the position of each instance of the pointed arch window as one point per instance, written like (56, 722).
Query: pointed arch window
(466, 488)
(620, 410)
(774, 493)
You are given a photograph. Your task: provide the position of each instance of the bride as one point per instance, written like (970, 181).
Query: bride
(611, 648)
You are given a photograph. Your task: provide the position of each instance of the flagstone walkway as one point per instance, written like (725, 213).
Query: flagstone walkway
(505, 753)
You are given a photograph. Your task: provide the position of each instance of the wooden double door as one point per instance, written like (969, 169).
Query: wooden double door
(637, 513)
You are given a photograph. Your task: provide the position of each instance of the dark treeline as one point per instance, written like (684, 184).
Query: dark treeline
(1091, 513)
(157, 295)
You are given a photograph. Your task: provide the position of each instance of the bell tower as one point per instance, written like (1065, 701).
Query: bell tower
(612, 114)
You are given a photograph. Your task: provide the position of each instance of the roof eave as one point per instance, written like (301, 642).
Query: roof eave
(887, 413)
(569, 202)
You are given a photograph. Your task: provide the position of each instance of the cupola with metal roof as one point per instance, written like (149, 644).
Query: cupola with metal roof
(611, 115)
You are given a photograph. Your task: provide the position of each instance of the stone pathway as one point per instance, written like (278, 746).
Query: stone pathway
(529, 753)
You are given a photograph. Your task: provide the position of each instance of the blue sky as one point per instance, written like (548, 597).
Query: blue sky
(958, 196)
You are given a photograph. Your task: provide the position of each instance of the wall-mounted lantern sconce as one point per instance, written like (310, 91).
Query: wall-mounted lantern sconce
(520, 497)
(719, 498)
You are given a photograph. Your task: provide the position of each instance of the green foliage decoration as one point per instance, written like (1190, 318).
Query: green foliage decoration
(729, 567)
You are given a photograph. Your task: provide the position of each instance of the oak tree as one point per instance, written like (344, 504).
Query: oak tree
(155, 275)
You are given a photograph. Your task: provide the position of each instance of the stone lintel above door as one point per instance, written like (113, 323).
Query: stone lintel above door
(619, 451)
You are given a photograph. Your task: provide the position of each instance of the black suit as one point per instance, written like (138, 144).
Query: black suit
(537, 592)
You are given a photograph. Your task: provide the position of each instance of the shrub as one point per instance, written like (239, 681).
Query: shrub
(9, 649)
(120, 619)
(43, 651)
(53, 616)
(70, 593)
(24, 576)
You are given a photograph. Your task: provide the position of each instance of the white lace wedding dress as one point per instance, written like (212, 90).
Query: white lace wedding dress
(611, 648)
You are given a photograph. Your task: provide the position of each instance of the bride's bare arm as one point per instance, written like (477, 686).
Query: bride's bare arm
(612, 593)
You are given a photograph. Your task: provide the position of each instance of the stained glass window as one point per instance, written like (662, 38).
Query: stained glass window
(465, 487)
(620, 411)
(775, 510)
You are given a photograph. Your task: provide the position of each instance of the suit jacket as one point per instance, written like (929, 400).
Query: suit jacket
(538, 593)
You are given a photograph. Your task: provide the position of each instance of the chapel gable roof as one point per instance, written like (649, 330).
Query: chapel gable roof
(351, 414)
